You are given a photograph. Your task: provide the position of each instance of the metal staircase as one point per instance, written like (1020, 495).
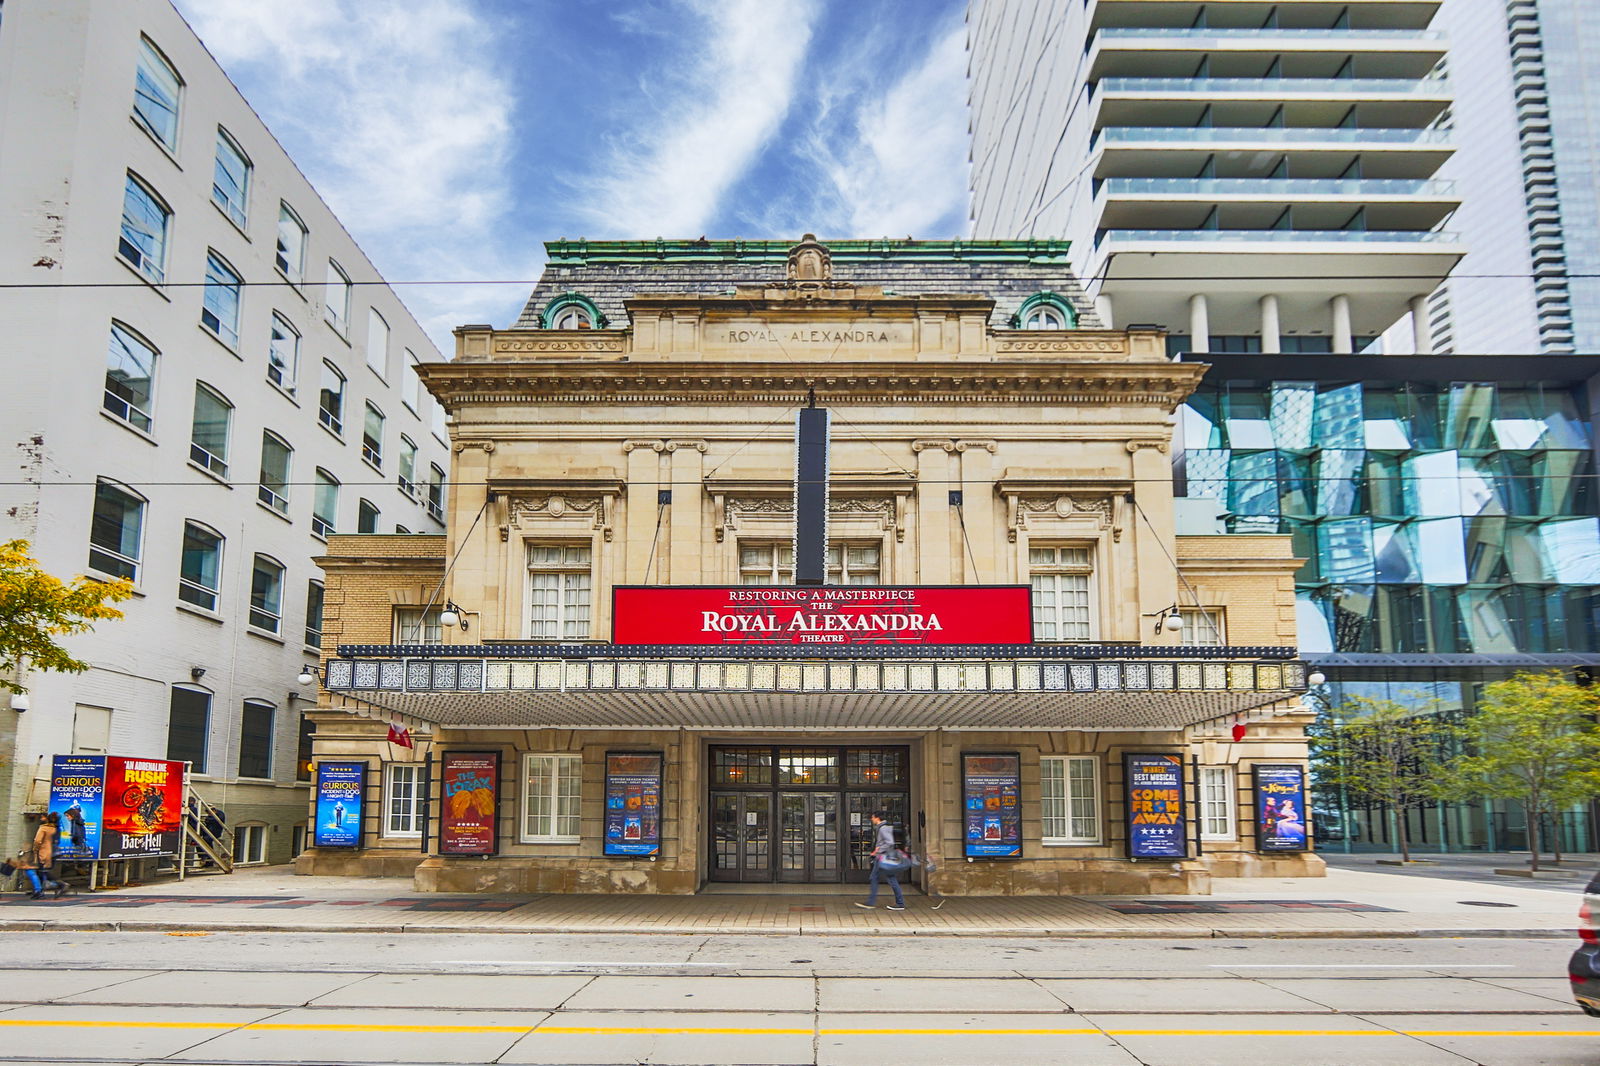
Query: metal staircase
(207, 843)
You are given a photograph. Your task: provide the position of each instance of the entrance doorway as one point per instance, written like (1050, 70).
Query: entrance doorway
(802, 815)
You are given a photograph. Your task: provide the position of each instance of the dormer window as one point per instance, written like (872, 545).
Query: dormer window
(572, 310)
(573, 317)
(1045, 310)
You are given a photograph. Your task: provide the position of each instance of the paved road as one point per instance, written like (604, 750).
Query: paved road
(355, 998)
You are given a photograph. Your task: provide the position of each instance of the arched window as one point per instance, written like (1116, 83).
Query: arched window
(571, 310)
(1045, 310)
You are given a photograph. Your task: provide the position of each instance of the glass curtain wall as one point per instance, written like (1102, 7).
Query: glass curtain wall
(1434, 517)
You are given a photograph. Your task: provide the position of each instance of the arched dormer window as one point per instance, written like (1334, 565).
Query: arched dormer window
(572, 310)
(1045, 310)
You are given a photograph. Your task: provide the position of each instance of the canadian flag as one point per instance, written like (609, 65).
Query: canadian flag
(399, 734)
(1238, 730)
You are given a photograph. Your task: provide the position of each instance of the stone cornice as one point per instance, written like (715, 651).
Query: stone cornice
(1161, 384)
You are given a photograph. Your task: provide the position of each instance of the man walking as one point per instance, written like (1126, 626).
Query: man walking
(888, 863)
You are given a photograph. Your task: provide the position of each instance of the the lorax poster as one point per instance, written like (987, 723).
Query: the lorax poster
(469, 784)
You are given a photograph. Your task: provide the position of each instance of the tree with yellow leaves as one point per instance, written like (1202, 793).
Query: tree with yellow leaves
(36, 608)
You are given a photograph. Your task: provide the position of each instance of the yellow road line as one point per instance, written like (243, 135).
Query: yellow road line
(689, 1030)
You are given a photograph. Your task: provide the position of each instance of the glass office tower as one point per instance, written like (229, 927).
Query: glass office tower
(1446, 512)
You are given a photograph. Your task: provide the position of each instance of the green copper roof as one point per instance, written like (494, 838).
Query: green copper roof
(583, 252)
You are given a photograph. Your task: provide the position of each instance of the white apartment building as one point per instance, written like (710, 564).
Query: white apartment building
(1527, 88)
(1252, 176)
(204, 376)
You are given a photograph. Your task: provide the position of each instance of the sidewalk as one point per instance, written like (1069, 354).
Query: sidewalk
(1347, 903)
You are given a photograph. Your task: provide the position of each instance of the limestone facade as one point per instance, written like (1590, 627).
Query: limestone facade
(660, 451)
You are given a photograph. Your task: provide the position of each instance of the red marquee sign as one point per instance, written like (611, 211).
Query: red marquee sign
(755, 615)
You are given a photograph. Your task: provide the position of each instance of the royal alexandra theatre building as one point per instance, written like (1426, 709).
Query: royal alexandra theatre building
(750, 540)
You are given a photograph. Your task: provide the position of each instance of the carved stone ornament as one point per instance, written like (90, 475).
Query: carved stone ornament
(462, 445)
(1105, 510)
(809, 261)
(889, 510)
(525, 512)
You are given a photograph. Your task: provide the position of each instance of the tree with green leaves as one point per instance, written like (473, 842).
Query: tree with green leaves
(1533, 738)
(1385, 752)
(36, 608)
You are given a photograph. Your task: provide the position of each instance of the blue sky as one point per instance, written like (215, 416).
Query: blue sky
(453, 137)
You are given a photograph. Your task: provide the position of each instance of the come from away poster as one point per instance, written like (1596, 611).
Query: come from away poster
(992, 789)
(341, 787)
(1153, 792)
(469, 781)
(633, 803)
(1280, 808)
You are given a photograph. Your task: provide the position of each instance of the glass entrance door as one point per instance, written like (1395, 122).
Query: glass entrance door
(809, 847)
(860, 807)
(741, 836)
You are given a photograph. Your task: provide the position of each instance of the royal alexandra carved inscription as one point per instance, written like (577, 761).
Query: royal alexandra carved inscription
(779, 337)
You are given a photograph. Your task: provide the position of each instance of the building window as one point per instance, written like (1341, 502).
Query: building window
(230, 180)
(408, 466)
(372, 437)
(1045, 310)
(330, 398)
(283, 353)
(402, 799)
(290, 258)
(208, 440)
(411, 626)
(772, 563)
(314, 597)
(116, 531)
(437, 423)
(325, 504)
(266, 594)
(377, 343)
(572, 311)
(145, 220)
(1069, 799)
(189, 727)
(200, 571)
(250, 845)
(303, 751)
(130, 377)
(337, 297)
(436, 492)
(155, 95)
(1060, 578)
(255, 739)
(552, 786)
(91, 730)
(297, 839)
(411, 385)
(367, 516)
(219, 311)
(558, 591)
(1202, 627)
(1217, 803)
(276, 459)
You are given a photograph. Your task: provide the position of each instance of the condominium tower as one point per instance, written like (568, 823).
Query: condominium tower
(205, 377)
(1250, 176)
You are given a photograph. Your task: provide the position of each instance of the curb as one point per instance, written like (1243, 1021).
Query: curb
(1169, 933)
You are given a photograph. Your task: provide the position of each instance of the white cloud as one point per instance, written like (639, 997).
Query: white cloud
(897, 158)
(667, 174)
(398, 116)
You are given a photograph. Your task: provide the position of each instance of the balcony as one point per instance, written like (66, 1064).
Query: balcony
(1286, 189)
(1155, 51)
(1278, 88)
(1275, 236)
(1276, 136)
(1233, 101)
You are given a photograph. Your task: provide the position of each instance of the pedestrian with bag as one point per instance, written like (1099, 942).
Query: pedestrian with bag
(889, 862)
(41, 858)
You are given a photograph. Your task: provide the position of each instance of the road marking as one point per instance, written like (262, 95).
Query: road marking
(630, 1030)
(1361, 966)
(544, 964)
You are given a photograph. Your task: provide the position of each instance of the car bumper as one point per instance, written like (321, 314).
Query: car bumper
(1584, 969)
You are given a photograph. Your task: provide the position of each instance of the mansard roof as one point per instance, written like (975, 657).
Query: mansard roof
(610, 272)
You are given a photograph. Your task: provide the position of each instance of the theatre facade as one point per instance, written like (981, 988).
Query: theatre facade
(647, 656)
